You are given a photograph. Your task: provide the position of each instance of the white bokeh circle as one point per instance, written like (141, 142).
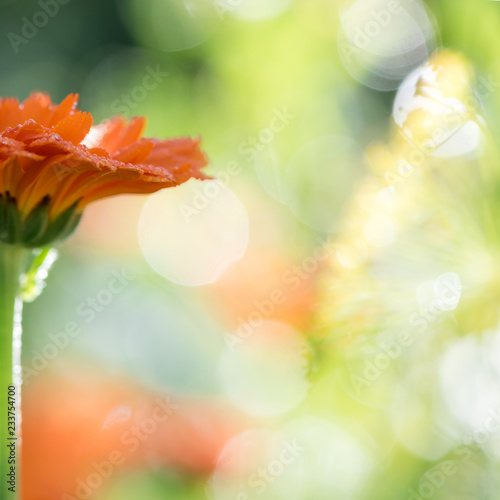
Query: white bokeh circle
(192, 233)
(308, 458)
(381, 41)
(245, 465)
(172, 25)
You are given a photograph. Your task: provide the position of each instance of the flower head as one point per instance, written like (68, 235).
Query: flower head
(53, 163)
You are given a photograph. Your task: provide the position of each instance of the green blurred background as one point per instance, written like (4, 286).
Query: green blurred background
(224, 70)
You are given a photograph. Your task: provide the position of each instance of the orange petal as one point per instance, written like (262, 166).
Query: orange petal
(133, 131)
(75, 127)
(64, 109)
(10, 114)
(37, 107)
(118, 134)
(135, 153)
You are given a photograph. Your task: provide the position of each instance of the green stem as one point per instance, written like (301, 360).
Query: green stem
(11, 261)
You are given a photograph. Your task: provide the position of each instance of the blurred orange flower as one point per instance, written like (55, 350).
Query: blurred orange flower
(265, 285)
(52, 160)
(82, 434)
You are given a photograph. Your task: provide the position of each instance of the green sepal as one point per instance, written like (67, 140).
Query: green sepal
(36, 230)
(3, 218)
(12, 222)
(36, 223)
(70, 226)
(59, 229)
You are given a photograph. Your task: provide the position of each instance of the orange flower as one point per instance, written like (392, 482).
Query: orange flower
(53, 163)
(70, 426)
